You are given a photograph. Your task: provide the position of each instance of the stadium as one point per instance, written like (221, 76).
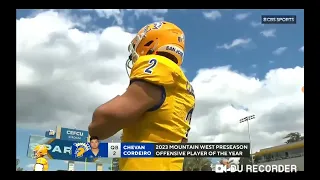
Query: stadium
(247, 77)
(292, 153)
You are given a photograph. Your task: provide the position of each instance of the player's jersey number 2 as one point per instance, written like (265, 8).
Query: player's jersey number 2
(153, 63)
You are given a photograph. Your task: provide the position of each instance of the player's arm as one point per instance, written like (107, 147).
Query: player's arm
(124, 110)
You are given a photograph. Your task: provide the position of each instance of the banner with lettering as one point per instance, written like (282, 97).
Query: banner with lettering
(60, 150)
(74, 135)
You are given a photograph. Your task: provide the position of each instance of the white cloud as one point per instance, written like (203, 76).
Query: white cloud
(66, 70)
(85, 19)
(256, 24)
(242, 16)
(278, 106)
(155, 14)
(140, 12)
(237, 42)
(269, 33)
(212, 15)
(117, 14)
(64, 73)
(279, 51)
(301, 49)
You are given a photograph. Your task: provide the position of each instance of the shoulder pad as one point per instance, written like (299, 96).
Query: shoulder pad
(41, 161)
(155, 69)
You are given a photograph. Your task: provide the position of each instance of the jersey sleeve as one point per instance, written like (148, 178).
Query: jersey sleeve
(41, 161)
(155, 70)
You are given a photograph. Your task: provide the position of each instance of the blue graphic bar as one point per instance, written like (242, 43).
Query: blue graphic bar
(99, 151)
(137, 150)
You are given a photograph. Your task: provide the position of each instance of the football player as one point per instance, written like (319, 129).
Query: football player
(40, 151)
(158, 104)
(95, 151)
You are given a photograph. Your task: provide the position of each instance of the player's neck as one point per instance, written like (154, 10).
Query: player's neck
(95, 151)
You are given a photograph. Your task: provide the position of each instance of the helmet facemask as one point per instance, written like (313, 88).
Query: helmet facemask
(35, 154)
(132, 48)
(38, 152)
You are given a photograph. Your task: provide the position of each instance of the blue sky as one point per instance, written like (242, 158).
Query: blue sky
(209, 37)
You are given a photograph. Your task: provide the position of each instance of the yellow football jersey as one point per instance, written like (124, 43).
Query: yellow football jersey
(41, 164)
(169, 122)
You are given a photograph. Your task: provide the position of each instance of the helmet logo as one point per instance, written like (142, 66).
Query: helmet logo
(181, 38)
(155, 26)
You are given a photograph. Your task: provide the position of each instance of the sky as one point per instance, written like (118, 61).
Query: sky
(71, 61)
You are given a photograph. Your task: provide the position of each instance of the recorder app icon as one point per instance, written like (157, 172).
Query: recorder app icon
(220, 168)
